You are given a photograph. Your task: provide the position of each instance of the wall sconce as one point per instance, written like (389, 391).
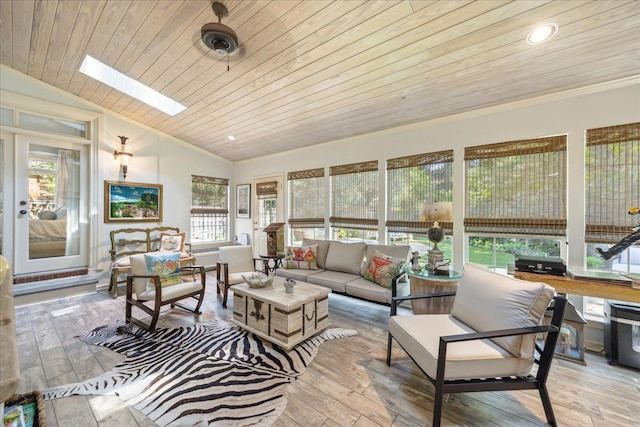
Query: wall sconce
(436, 211)
(122, 156)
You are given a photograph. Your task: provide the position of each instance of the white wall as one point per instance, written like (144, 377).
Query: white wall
(571, 113)
(157, 159)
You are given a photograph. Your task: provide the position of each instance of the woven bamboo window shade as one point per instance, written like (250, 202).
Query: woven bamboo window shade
(412, 180)
(517, 187)
(267, 190)
(209, 195)
(612, 181)
(354, 196)
(307, 189)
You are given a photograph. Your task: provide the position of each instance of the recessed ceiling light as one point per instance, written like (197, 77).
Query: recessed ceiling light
(114, 78)
(542, 33)
(231, 138)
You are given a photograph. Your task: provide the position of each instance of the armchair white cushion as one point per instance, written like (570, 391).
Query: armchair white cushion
(235, 261)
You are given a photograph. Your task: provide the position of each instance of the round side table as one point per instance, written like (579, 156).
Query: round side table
(426, 283)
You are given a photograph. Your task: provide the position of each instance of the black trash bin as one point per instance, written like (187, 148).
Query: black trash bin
(622, 333)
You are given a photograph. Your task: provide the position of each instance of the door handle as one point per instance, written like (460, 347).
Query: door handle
(23, 202)
(23, 212)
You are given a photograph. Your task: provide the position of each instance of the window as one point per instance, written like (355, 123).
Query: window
(209, 209)
(515, 199)
(354, 201)
(267, 193)
(612, 174)
(411, 181)
(306, 211)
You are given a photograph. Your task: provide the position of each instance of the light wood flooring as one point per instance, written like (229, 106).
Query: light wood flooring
(348, 383)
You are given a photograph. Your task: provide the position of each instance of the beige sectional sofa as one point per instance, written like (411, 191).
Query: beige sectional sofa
(342, 267)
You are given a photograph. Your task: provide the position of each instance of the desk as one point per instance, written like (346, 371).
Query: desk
(425, 283)
(591, 288)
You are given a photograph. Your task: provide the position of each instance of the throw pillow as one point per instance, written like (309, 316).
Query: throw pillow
(164, 264)
(172, 242)
(383, 268)
(300, 257)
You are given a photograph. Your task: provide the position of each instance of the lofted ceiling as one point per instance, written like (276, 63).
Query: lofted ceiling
(312, 71)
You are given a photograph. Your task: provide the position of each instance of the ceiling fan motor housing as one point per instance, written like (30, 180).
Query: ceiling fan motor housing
(219, 38)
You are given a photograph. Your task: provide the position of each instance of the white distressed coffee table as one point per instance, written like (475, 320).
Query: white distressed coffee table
(281, 318)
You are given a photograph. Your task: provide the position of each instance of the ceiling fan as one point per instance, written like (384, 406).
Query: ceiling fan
(217, 36)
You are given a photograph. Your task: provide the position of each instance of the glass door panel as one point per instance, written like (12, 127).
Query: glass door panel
(50, 215)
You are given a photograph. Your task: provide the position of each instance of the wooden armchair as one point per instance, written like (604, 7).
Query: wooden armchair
(235, 261)
(488, 342)
(126, 242)
(146, 284)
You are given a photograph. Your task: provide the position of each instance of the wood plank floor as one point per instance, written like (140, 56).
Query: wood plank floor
(348, 383)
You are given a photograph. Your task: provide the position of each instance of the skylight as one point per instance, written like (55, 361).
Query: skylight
(111, 77)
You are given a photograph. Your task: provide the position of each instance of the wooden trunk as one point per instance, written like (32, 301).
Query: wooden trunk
(281, 318)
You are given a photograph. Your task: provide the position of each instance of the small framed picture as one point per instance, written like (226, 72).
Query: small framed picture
(243, 201)
(132, 202)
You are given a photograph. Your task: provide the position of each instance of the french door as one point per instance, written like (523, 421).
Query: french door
(267, 206)
(49, 210)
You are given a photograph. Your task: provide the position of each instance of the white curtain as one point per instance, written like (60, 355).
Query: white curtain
(68, 197)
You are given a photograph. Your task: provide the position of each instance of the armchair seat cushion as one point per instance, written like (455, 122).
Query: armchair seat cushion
(123, 262)
(235, 278)
(171, 292)
(420, 336)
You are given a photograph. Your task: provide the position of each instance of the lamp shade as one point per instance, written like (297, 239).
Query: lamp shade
(436, 211)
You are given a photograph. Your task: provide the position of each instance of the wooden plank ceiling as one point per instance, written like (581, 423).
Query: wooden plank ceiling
(313, 71)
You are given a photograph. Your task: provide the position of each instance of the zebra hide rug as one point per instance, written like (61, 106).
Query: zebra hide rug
(207, 374)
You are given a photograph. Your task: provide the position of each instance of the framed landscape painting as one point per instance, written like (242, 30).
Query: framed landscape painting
(132, 202)
(243, 201)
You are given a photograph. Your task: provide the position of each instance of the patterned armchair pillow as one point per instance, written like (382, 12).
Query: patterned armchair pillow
(300, 257)
(383, 268)
(164, 264)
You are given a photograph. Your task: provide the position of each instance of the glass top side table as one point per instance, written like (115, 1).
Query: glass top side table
(424, 282)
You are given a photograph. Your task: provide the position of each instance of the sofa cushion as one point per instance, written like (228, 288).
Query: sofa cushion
(345, 257)
(296, 274)
(323, 249)
(362, 288)
(383, 268)
(419, 335)
(399, 251)
(482, 293)
(334, 280)
(300, 257)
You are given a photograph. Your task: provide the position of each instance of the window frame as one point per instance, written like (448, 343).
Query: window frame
(215, 214)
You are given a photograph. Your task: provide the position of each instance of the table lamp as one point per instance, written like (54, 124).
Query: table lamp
(436, 212)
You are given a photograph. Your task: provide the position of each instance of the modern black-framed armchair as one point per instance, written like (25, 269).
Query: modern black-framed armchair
(491, 341)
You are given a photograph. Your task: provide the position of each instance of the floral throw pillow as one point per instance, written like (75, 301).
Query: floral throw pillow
(383, 268)
(300, 257)
(172, 242)
(166, 265)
